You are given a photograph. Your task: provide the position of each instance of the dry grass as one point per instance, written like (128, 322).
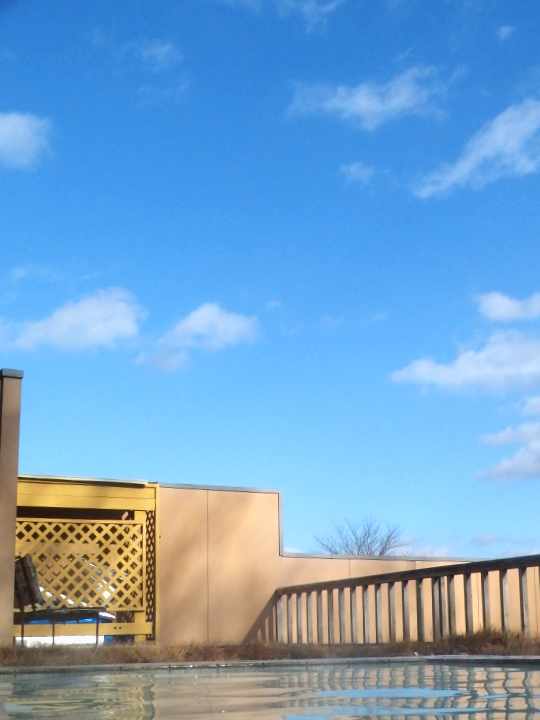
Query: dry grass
(482, 643)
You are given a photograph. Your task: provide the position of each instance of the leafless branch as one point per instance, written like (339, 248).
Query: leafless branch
(366, 538)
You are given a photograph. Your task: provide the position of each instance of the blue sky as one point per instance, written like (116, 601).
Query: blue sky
(285, 244)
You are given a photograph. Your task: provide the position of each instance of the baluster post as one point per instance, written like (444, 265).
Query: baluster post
(320, 622)
(330, 597)
(365, 614)
(523, 600)
(420, 610)
(436, 607)
(486, 609)
(451, 589)
(505, 606)
(354, 631)
(406, 611)
(341, 615)
(309, 616)
(289, 620)
(443, 596)
(378, 613)
(392, 611)
(280, 633)
(299, 619)
(469, 625)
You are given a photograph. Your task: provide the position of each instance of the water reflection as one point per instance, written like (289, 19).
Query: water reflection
(314, 693)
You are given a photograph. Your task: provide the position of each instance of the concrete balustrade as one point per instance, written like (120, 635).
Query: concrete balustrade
(417, 605)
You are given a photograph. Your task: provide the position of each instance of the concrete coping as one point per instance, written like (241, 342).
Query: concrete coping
(8, 373)
(483, 660)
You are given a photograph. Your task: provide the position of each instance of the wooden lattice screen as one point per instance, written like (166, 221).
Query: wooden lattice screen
(87, 562)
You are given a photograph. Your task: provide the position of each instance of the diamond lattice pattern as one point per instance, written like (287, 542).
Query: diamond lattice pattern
(87, 563)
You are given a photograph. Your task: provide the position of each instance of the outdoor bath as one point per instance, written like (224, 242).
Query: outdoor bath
(279, 692)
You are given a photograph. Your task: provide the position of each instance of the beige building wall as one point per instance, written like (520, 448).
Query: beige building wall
(10, 409)
(220, 560)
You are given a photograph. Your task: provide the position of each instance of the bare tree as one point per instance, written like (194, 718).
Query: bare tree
(366, 538)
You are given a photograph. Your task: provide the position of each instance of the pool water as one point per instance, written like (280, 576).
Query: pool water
(317, 692)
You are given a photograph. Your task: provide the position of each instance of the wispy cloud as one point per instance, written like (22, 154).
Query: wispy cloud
(503, 308)
(505, 544)
(24, 139)
(208, 328)
(513, 434)
(157, 64)
(506, 360)
(242, 4)
(531, 405)
(507, 146)
(329, 322)
(314, 12)
(370, 104)
(31, 271)
(156, 95)
(159, 54)
(418, 548)
(99, 320)
(525, 462)
(357, 172)
(505, 31)
(155, 54)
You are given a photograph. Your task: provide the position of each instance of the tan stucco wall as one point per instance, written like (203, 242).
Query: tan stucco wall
(219, 563)
(10, 406)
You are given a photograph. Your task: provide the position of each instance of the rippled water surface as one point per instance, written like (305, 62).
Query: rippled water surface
(314, 693)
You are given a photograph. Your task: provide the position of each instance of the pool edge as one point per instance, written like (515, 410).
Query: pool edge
(232, 665)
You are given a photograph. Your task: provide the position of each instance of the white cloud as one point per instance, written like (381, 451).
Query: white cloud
(24, 138)
(20, 273)
(242, 4)
(496, 306)
(209, 328)
(506, 360)
(524, 433)
(152, 95)
(505, 31)
(357, 172)
(507, 146)
(507, 545)
(525, 462)
(98, 320)
(531, 405)
(371, 104)
(331, 322)
(486, 540)
(523, 465)
(160, 54)
(154, 60)
(422, 549)
(314, 12)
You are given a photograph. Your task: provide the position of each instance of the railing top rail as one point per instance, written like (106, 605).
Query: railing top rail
(512, 563)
